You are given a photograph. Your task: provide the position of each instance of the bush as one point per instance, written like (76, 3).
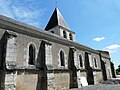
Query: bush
(118, 70)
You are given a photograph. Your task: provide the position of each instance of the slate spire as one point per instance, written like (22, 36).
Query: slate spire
(56, 20)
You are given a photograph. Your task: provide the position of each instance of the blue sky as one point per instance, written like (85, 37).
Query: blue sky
(96, 22)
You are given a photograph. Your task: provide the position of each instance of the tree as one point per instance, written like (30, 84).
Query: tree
(118, 70)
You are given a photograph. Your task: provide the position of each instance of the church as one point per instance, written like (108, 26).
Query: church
(50, 59)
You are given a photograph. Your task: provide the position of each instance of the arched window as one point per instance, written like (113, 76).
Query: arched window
(62, 58)
(70, 36)
(64, 34)
(81, 62)
(95, 62)
(31, 55)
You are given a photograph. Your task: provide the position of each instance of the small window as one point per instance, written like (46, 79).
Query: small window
(52, 31)
(95, 62)
(81, 62)
(62, 58)
(70, 36)
(31, 55)
(64, 34)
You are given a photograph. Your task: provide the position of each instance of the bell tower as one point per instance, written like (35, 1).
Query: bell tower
(58, 25)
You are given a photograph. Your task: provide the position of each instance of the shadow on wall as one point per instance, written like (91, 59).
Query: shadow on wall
(73, 70)
(42, 76)
(113, 70)
(90, 77)
(103, 69)
(3, 42)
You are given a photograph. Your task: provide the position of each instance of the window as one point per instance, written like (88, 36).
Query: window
(31, 55)
(81, 62)
(95, 62)
(70, 36)
(62, 58)
(64, 34)
(52, 31)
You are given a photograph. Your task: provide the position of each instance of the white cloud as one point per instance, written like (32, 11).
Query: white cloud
(112, 48)
(99, 39)
(27, 15)
(5, 8)
(23, 11)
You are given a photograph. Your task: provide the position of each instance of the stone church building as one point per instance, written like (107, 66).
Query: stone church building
(50, 59)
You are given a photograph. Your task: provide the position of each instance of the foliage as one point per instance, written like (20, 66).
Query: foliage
(118, 70)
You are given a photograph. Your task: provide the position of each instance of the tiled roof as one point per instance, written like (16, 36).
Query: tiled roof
(56, 19)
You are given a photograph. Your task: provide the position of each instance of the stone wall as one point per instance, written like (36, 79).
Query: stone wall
(27, 82)
(56, 55)
(97, 77)
(23, 42)
(50, 81)
(10, 80)
(83, 73)
(62, 81)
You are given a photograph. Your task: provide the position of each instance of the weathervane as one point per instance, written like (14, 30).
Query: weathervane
(55, 3)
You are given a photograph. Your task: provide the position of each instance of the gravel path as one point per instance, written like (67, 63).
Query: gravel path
(100, 87)
(111, 84)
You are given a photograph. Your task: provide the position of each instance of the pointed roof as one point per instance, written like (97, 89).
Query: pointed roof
(56, 19)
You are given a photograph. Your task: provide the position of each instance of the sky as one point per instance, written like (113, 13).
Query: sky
(95, 22)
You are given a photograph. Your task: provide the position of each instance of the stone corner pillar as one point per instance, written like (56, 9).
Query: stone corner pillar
(49, 65)
(76, 65)
(10, 61)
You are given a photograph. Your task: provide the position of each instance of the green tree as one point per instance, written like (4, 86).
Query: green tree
(118, 70)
